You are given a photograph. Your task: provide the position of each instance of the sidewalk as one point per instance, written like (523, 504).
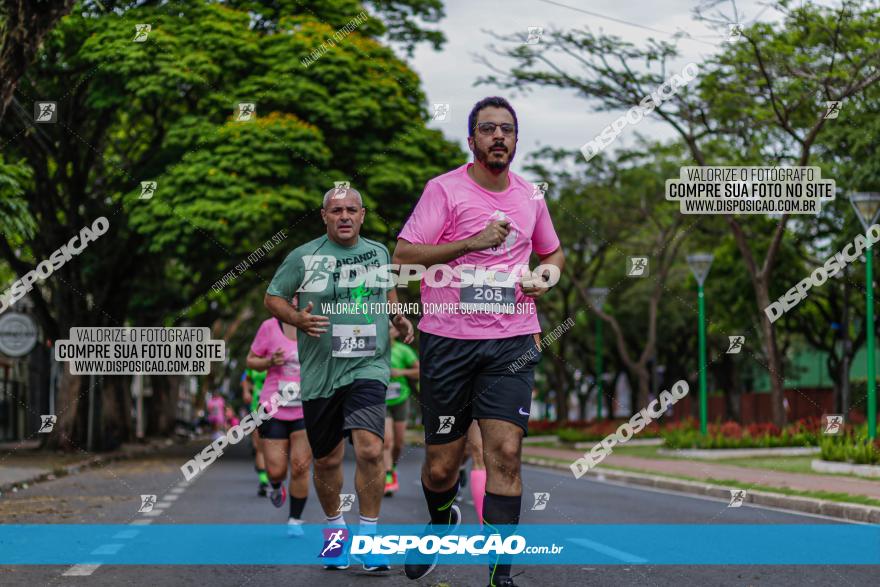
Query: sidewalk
(22, 463)
(704, 470)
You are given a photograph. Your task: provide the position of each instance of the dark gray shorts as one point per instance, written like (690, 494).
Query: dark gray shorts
(399, 412)
(358, 405)
(463, 380)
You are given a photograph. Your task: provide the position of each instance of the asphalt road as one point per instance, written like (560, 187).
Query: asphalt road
(226, 494)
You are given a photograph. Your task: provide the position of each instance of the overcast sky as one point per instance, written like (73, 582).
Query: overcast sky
(548, 116)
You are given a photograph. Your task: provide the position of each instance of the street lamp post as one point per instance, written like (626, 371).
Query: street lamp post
(700, 264)
(867, 207)
(597, 296)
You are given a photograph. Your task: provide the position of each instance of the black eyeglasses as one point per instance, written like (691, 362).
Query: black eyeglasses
(488, 128)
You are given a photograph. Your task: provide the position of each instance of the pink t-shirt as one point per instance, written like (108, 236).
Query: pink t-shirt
(453, 207)
(270, 338)
(216, 407)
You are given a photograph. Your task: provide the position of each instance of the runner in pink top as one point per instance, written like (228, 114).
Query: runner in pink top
(478, 351)
(282, 437)
(454, 207)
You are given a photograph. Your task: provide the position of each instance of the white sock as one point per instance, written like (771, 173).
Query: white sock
(336, 520)
(368, 525)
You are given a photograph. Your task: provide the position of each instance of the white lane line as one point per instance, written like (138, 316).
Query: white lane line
(107, 549)
(81, 570)
(154, 512)
(126, 534)
(608, 551)
(141, 522)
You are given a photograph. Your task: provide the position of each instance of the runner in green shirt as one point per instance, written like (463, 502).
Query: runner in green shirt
(251, 385)
(404, 366)
(344, 357)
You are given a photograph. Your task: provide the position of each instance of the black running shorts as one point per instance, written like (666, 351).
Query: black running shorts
(274, 429)
(358, 405)
(463, 380)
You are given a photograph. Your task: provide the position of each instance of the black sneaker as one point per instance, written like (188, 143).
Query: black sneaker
(261, 491)
(417, 565)
(505, 582)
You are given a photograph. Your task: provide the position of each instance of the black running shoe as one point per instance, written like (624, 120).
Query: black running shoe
(417, 565)
(505, 582)
(261, 491)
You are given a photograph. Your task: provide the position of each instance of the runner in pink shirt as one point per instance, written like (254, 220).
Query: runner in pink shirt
(283, 437)
(478, 351)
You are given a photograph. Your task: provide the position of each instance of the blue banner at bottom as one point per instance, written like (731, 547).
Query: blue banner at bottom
(260, 544)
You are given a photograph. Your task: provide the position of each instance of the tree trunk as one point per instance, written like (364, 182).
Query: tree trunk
(774, 359)
(70, 429)
(23, 25)
(162, 407)
(115, 413)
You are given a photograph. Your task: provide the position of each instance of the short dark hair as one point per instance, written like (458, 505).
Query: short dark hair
(495, 101)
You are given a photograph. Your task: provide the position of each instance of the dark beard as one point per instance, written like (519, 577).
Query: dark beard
(497, 166)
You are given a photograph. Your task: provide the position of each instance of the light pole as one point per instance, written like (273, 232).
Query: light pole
(597, 296)
(700, 264)
(867, 207)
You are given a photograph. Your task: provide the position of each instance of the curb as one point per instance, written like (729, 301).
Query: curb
(866, 471)
(846, 511)
(86, 464)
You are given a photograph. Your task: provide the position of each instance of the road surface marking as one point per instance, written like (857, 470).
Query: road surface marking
(608, 551)
(81, 570)
(178, 490)
(170, 497)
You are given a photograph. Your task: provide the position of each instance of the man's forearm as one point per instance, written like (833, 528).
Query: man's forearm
(281, 309)
(427, 255)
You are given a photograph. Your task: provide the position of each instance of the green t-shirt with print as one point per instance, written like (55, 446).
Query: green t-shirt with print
(355, 345)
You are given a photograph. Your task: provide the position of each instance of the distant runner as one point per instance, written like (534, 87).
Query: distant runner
(283, 436)
(251, 385)
(404, 366)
